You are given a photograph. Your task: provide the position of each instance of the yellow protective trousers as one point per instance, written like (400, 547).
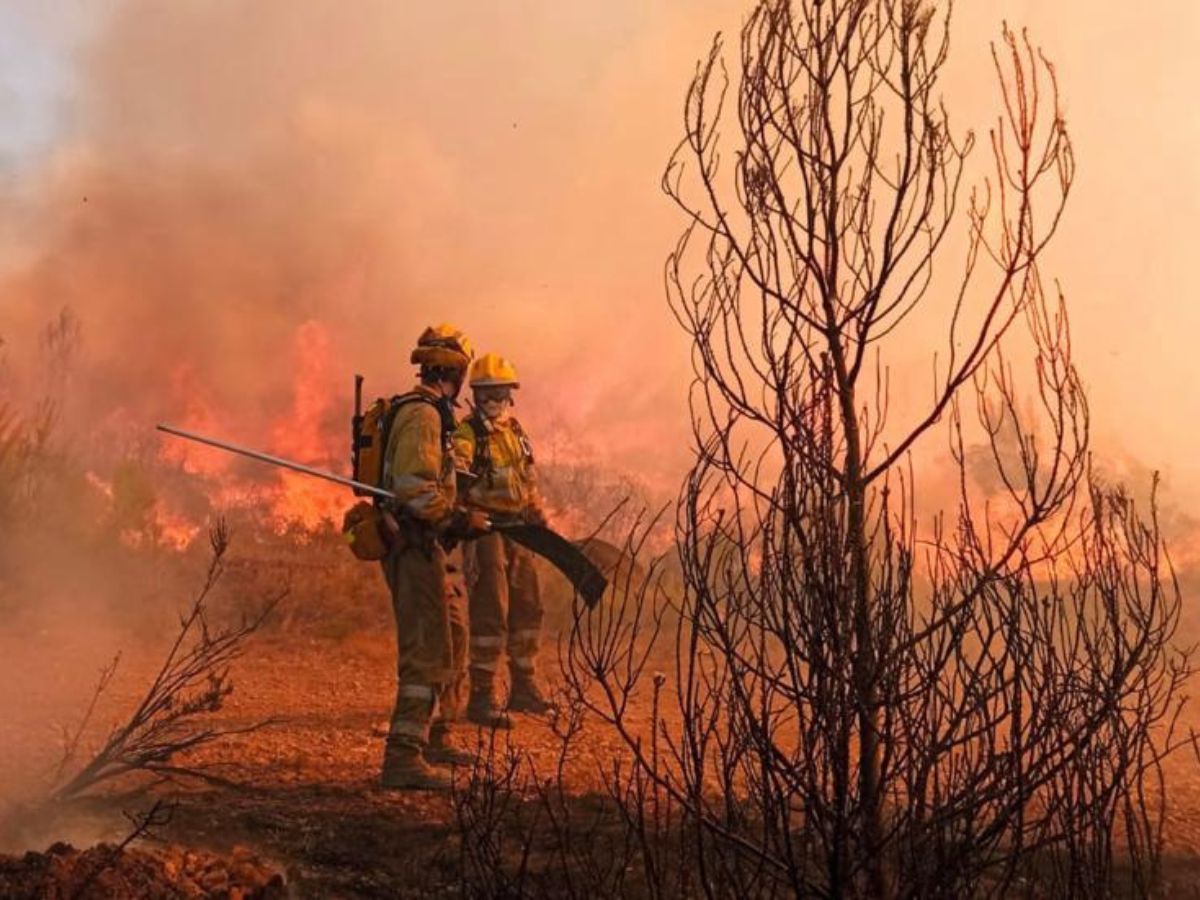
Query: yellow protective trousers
(505, 603)
(431, 639)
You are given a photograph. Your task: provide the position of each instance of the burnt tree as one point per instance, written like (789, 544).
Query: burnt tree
(876, 698)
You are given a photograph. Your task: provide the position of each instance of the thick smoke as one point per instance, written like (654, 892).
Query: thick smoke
(254, 201)
(229, 173)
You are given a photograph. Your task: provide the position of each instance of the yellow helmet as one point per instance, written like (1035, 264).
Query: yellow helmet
(443, 345)
(493, 370)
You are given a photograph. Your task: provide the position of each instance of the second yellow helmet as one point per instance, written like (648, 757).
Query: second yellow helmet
(493, 370)
(443, 345)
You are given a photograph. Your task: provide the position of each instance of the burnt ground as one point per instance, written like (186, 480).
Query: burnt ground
(306, 804)
(310, 798)
(304, 797)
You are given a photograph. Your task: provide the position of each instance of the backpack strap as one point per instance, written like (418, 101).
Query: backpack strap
(445, 414)
(481, 463)
(441, 404)
(404, 399)
(523, 440)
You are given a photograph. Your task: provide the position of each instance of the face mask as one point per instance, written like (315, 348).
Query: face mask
(494, 404)
(496, 410)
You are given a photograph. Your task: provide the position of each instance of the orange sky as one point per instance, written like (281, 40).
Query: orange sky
(252, 166)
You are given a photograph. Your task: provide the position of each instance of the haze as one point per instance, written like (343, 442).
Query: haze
(211, 185)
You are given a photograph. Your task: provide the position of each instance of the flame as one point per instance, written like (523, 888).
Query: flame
(160, 526)
(191, 396)
(303, 434)
(172, 530)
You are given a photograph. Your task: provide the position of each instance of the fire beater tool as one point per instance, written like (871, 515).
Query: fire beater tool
(588, 580)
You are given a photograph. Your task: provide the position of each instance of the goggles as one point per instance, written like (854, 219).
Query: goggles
(493, 394)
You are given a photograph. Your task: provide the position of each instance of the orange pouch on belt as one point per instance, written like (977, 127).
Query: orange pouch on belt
(366, 530)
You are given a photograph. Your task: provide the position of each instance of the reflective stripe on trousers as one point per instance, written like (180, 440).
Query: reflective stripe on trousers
(505, 603)
(431, 640)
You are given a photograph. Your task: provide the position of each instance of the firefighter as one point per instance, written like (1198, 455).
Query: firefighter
(431, 634)
(504, 598)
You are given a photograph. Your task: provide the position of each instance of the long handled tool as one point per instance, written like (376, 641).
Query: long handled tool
(551, 546)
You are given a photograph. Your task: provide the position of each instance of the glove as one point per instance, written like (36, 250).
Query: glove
(535, 515)
(465, 524)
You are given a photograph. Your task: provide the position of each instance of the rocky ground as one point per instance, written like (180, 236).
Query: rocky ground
(63, 873)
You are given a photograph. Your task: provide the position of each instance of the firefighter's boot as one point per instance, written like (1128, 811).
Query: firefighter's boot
(406, 769)
(482, 708)
(441, 752)
(526, 695)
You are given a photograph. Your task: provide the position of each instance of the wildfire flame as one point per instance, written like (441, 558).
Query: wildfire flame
(304, 435)
(307, 433)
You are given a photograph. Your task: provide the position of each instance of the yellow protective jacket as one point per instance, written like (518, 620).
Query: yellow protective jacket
(505, 481)
(419, 465)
